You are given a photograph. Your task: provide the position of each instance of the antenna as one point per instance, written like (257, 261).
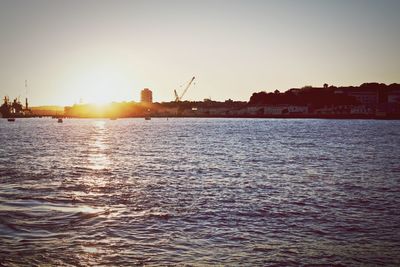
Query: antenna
(26, 94)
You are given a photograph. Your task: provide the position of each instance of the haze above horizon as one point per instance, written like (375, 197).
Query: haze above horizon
(103, 51)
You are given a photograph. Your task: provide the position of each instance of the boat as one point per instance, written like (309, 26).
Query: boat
(147, 115)
(60, 120)
(113, 118)
(11, 119)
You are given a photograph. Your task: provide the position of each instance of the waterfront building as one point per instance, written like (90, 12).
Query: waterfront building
(285, 109)
(255, 110)
(275, 109)
(146, 96)
(361, 109)
(394, 97)
(298, 109)
(369, 98)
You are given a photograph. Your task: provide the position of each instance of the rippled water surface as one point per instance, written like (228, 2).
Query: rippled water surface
(199, 192)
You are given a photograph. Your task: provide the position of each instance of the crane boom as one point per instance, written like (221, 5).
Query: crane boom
(187, 87)
(179, 98)
(176, 96)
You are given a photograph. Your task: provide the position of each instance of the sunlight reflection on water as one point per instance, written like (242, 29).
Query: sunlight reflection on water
(36, 206)
(199, 192)
(98, 157)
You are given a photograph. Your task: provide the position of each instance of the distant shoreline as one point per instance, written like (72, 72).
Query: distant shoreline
(367, 101)
(291, 116)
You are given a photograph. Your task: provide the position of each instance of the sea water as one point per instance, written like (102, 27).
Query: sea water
(256, 192)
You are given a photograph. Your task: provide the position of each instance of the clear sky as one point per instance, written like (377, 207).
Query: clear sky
(109, 50)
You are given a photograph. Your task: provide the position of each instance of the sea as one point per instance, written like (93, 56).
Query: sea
(199, 192)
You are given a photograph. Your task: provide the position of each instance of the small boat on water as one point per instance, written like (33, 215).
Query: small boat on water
(113, 118)
(60, 120)
(147, 115)
(11, 119)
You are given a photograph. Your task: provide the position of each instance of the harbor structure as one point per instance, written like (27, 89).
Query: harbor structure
(14, 108)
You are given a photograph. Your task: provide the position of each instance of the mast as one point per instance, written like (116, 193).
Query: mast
(26, 95)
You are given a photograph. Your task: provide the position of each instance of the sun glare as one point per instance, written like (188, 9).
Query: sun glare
(98, 85)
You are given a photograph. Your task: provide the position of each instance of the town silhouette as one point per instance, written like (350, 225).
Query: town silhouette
(369, 100)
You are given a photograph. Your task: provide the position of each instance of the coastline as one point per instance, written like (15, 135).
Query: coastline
(290, 116)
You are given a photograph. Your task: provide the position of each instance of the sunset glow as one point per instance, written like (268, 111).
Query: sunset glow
(102, 51)
(199, 133)
(99, 84)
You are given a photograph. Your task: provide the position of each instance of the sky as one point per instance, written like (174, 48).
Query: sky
(98, 51)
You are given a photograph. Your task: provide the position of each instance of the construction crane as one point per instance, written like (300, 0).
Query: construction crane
(179, 98)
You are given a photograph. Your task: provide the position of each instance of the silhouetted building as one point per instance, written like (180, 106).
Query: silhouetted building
(146, 96)
(394, 96)
(369, 98)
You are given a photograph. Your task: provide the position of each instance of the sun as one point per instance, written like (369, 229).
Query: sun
(98, 85)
